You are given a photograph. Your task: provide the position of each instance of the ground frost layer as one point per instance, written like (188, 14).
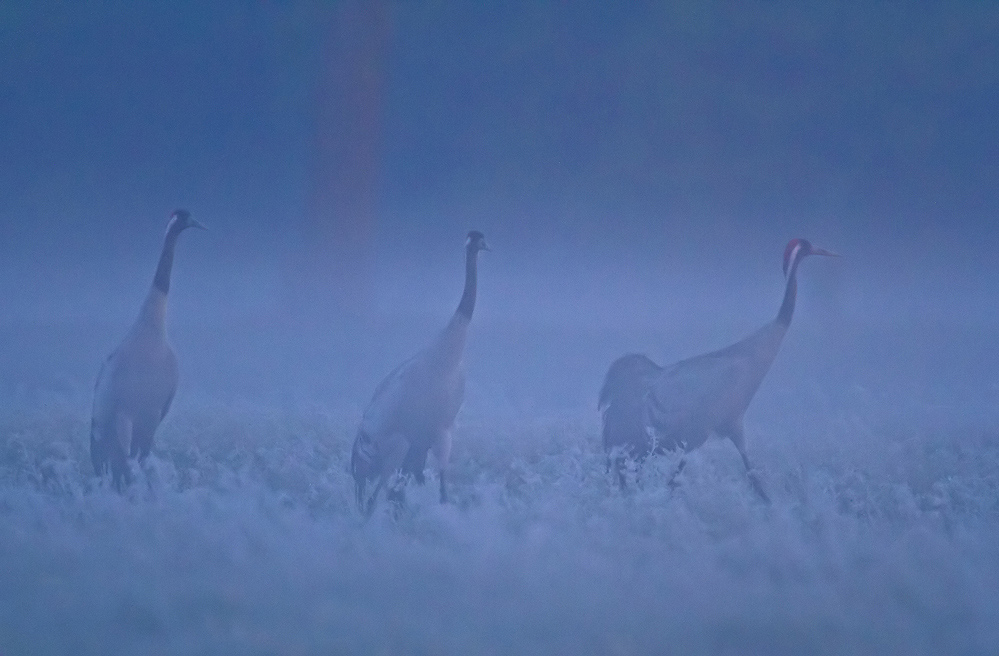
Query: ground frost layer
(245, 540)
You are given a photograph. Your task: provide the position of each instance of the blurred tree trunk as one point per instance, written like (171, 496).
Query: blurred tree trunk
(342, 202)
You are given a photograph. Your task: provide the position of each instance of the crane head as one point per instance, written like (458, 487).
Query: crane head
(476, 242)
(181, 220)
(797, 249)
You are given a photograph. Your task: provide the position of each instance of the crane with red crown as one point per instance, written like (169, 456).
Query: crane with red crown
(648, 409)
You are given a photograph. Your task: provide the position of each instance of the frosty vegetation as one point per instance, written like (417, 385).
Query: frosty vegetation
(245, 538)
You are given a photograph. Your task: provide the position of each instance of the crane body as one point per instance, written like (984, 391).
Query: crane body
(648, 409)
(137, 381)
(413, 408)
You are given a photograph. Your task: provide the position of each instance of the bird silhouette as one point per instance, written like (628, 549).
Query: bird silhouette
(137, 381)
(414, 407)
(649, 409)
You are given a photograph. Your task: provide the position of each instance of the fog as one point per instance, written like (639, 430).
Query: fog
(637, 172)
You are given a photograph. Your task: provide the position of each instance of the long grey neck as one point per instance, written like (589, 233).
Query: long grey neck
(450, 346)
(790, 294)
(161, 280)
(467, 304)
(154, 309)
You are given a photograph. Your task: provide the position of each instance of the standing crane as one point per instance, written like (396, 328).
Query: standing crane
(136, 383)
(648, 409)
(413, 408)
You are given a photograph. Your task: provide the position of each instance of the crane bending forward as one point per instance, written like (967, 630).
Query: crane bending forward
(414, 407)
(649, 409)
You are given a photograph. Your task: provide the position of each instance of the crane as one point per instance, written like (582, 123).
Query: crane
(648, 409)
(137, 381)
(414, 407)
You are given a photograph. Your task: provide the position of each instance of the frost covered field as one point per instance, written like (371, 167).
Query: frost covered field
(882, 536)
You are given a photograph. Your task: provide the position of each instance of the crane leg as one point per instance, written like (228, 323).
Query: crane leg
(390, 475)
(617, 461)
(142, 442)
(442, 452)
(739, 440)
(621, 468)
(121, 473)
(672, 479)
(416, 459)
(396, 494)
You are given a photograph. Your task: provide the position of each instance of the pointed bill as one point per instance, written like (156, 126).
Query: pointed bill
(822, 251)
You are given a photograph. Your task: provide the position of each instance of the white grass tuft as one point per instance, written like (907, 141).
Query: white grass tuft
(242, 537)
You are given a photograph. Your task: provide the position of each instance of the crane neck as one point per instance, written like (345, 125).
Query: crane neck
(467, 304)
(164, 267)
(154, 308)
(790, 295)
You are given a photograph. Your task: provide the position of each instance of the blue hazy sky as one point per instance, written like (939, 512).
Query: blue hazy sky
(585, 137)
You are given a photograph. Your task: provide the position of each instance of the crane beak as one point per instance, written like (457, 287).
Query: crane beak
(822, 251)
(195, 224)
(485, 246)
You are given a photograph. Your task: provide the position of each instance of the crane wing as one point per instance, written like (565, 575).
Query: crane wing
(388, 399)
(139, 382)
(109, 390)
(691, 398)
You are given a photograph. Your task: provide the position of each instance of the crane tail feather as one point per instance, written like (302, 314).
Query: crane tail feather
(622, 403)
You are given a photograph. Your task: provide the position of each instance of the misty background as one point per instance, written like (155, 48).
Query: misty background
(637, 170)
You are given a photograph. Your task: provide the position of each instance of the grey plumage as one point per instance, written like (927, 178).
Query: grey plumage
(622, 404)
(137, 381)
(414, 407)
(649, 409)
